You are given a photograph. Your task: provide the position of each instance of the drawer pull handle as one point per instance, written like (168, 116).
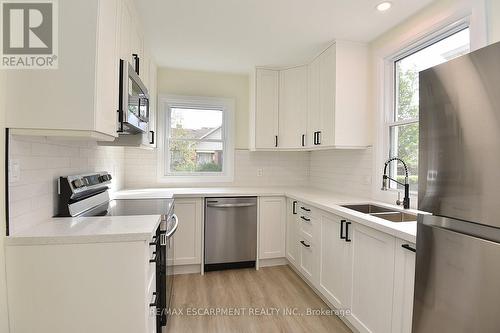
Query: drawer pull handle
(305, 209)
(305, 219)
(304, 243)
(154, 258)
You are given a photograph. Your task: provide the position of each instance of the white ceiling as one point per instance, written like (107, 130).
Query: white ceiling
(237, 35)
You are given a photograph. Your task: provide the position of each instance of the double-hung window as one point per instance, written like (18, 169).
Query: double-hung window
(402, 120)
(198, 141)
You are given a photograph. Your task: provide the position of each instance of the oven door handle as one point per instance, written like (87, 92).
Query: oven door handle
(231, 205)
(171, 232)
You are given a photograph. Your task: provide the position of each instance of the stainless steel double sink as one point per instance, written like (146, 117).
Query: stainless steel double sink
(383, 213)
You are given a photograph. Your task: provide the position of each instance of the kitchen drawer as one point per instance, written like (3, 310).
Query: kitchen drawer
(307, 225)
(307, 210)
(308, 257)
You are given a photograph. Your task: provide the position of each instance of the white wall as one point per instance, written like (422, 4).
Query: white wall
(493, 8)
(33, 197)
(4, 322)
(279, 169)
(436, 16)
(211, 84)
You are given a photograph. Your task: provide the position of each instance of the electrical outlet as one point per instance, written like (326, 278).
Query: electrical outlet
(14, 171)
(260, 172)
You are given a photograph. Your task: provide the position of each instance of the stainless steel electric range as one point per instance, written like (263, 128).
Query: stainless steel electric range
(87, 195)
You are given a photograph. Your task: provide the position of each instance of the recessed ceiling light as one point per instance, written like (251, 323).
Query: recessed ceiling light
(383, 6)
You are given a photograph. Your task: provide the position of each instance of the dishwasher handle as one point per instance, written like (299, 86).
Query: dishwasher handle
(231, 205)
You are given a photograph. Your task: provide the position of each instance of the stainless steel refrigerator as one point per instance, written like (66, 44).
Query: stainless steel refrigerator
(457, 281)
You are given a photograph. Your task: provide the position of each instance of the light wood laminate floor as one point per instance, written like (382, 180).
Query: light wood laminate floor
(258, 294)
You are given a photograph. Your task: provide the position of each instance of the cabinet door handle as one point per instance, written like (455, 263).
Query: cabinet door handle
(315, 141)
(276, 141)
(408, 247)
(154, 258)
(318, 140)
(347, 224)
(136, 60)
(304, 243)
(303, 140)
(342, 229)
(305, 209)
(153, 302)
(152, 141)
(305, 219)
(294, 208)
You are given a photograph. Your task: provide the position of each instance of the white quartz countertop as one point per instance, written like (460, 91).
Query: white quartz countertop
(328, 201)
(73, 230)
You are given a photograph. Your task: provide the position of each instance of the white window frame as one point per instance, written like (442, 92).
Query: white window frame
(390, 82)
(167, 102)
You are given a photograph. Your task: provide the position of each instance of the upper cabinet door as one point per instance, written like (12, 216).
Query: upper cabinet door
(292, 107)
(313, 114)
(266, 108)
(327, 89)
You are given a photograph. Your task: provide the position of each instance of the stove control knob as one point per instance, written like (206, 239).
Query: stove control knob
(77, 183)
(104, 178)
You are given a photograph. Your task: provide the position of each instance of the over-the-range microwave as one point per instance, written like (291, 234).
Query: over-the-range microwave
(133, 104)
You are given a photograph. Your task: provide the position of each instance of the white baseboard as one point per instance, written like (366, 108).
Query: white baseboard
(187, 269)
(272, 262)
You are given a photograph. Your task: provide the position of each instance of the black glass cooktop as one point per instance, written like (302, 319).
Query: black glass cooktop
(124, 207)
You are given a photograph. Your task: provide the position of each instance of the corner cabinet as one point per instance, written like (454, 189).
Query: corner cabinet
(80, 97)
(323, 104)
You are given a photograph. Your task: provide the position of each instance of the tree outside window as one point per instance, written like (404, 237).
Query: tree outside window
(403, 127)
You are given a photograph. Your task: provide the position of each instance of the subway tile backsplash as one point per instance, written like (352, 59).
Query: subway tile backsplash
(278, 169)
(41, 160)
(346, 171)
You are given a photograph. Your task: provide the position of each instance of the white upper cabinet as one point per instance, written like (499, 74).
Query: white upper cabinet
(338, 113)
(292, 107)
(264, 132)
(80, 97)
(326, 101)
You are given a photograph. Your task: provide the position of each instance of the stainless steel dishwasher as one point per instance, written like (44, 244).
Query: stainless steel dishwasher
(230, 233)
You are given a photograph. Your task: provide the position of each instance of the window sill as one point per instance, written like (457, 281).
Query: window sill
(190, 179)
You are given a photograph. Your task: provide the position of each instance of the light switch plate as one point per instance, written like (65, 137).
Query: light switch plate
(14, 171)
(260, 172)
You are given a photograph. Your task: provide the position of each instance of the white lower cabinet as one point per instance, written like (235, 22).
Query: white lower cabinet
(353, 267)
(335, 270)
(372, 279)
(187, 238)
(404, 280)
(272, 225)
(90, 287)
